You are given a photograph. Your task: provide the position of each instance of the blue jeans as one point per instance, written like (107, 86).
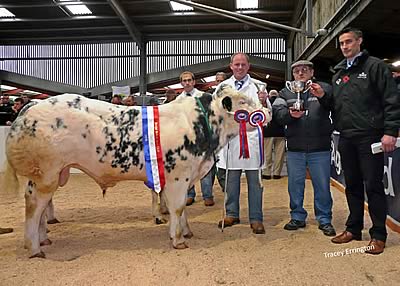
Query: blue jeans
(207, 183)
(318, 164)
(255, 194)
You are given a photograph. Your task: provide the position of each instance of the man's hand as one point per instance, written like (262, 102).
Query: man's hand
(295, 113)
(316, 90)
(388, 143)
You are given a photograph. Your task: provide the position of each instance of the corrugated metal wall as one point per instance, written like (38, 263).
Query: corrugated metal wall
(85, 65)
(164, 55)
(90, 65)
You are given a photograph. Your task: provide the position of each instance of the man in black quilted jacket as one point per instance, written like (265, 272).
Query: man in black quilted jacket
(366, 110)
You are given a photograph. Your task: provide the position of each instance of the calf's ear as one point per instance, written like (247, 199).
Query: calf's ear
(221, 87)
(227, 103)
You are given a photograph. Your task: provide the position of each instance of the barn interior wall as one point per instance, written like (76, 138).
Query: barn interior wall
(91, 65)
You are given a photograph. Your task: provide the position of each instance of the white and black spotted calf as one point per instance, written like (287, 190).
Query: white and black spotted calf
(105, 142)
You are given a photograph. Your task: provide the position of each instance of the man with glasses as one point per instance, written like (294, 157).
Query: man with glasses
(308, 134)
(188, 82)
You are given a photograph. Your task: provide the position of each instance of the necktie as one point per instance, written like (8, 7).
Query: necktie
(239, 84)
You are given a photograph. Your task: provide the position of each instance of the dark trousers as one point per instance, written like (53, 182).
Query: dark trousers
(364, 171)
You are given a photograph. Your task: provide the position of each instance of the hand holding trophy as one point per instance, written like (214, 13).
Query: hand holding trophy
(298, 87)
(262, 93)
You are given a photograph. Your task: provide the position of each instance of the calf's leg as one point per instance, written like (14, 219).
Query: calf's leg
(36, 201)
(155, 209)
(176, 201)
(51, 219)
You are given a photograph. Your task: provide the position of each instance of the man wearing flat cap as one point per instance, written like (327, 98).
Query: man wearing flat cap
(308, 134)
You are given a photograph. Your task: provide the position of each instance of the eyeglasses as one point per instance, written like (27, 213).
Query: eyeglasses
(302, 70)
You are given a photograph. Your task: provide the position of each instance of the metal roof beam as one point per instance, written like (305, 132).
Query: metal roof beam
(318, 44)
(284, 13)
(52, 4)
(31, 30)
(239, 17)
(39, 84)
(166, 77)
(130, 26)
(61, 19)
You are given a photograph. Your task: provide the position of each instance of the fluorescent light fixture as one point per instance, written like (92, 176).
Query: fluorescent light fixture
(7, 87)
(209, 78)
(246, 4)
(396, 64)
(30, 92)
(180, 7)
(4, 13)
(78, 9)
(174, 86)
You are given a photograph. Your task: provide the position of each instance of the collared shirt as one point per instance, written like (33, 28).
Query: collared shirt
(194, 93)
(349, 62)
(239, 83)
(231, 156)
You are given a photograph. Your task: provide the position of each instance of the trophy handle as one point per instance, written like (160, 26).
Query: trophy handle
(308, 85)
(288, 85)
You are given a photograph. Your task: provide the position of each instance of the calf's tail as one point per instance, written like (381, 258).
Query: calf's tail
(10, 180)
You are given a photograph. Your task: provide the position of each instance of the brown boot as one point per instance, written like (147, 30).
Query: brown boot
(189, 201)
(229, 221)
(375, 246)
(257, 227)
(209, 202)
(345, 237)
(6, 230)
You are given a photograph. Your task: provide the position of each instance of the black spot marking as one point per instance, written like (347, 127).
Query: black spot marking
(84, 135)
(87, 109)
(23, 125)
(76, 103)
(177, 179)
(204, 143)
(53, 100)
(187, 179)
(59, 124)
(123, 151)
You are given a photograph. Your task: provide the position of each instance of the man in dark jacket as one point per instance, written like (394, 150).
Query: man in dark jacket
(366, 110)
(308, 134)
(274, 142)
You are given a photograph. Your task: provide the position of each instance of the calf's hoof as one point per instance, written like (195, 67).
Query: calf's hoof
(46, 242)
(188, 235)
(160, 220)
(181, 245)
(38, 255)
(53, 221)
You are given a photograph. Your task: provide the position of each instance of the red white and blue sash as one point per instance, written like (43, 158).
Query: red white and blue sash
(152, 148)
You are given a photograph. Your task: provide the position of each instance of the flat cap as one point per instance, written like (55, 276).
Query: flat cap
(302, 63)
(394, 68)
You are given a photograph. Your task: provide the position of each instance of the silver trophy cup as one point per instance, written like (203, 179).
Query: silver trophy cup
(298, 87)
